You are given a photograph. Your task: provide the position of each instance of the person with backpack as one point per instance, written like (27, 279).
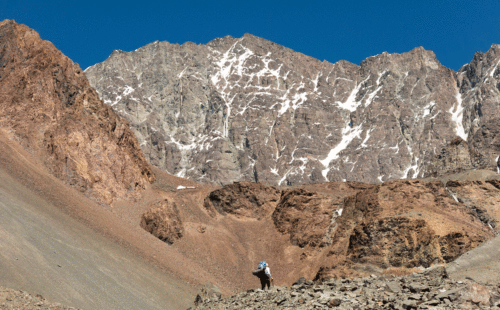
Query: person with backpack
(264, 275)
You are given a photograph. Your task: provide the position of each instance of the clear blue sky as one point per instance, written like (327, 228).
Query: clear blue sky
(88, 31)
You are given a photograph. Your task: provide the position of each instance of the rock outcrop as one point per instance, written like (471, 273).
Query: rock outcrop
(247, 109)
(456, 157)
(340, 230)
(162, 221)
(401, 224)
(48, 106)
(306, 216)
(243, 199)
(483, 198)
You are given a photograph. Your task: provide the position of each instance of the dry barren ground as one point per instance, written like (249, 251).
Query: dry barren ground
(56, 243)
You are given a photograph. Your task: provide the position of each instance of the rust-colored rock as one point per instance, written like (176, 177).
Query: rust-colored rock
(308, 213)
(306, 216)
(47, 104)
(401, 224)
(481, 197)
(162, 221)
(457, 156)
(246, 199)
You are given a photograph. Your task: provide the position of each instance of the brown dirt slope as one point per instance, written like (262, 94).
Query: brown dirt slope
(65, 247)
(47, 104)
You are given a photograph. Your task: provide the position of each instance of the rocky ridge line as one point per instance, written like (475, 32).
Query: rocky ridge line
(247, 109)
(48, 106)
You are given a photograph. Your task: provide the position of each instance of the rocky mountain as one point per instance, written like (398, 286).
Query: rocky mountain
(247, 109)
(48, 106)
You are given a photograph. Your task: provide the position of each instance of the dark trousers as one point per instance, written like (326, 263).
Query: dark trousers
(265, 281)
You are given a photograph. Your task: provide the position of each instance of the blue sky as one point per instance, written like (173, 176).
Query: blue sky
(88, 31)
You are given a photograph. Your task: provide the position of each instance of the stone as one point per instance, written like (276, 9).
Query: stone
(393, 286)
(417, 288)
(300, 281)
(334, 302)
(208, 293)
(162, 220)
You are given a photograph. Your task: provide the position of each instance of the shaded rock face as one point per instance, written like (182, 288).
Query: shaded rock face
(479, 83)
(162, 221)
(401, 224)
(47, 105)
(208, 293)
(456, 157)
(483, 198)
(243, 199)
(247, 109)
(404, 242)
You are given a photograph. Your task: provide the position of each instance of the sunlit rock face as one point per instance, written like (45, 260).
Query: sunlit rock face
(48, 106)
(247, 109)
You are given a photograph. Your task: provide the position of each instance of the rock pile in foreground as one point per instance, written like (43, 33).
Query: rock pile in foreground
(430, 289)
(12, 299)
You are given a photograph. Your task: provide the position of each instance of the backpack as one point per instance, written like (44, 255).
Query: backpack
(262, 265)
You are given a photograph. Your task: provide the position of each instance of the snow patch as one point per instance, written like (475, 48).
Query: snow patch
(457, 117)
(348, 134)
(493, 71)
(351, 104)
(184, 187)
(428, 108)
(372, 96)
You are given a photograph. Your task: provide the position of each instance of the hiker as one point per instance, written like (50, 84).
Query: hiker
(264, 275)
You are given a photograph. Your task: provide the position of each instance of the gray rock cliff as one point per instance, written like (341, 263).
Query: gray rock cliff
(247, 109)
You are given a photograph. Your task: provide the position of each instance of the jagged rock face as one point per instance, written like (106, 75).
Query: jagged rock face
(306, 216)
(249, 109)
(162, 221)
(456, 157)
(481, 197)
(354, 229)
(47, 105)
(243, 199)
(401, 224)
(479, 83)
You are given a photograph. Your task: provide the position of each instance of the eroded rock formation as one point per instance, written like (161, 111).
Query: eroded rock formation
(483, 198)
(306, 216)
(162, 221)
(251, 200)
(47, 105)
(402, 224)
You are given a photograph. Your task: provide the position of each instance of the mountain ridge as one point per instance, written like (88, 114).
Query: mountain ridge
(244, 107)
